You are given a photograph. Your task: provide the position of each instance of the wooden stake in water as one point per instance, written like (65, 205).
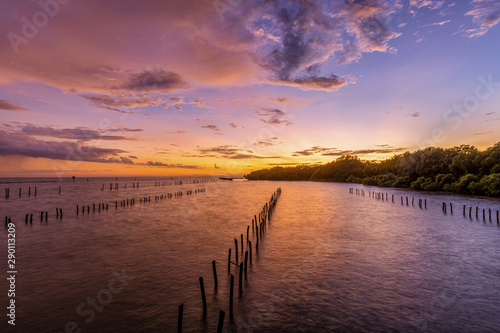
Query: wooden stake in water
(203, 297)
(246, 261)
(214, 269)
(240, 281)
(220, 325)
(231, 291)
(250, 245)
(179, 318)
(229, 262)
(236, 249)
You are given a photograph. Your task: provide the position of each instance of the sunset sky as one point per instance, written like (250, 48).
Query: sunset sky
(218, 87)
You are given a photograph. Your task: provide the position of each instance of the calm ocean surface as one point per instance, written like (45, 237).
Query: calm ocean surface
(330, 261)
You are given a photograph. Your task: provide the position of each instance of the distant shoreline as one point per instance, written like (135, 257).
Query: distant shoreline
(463, 170)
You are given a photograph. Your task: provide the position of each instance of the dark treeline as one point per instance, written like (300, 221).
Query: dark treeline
(462, 169)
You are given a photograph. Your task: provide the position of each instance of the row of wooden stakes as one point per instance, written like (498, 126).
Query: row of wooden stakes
(115, 186)
(258, 228)
(422, 203)
(445, 210)
(7, 192)
(105, 206)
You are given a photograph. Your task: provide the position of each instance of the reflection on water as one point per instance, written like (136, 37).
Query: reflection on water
(330, 261)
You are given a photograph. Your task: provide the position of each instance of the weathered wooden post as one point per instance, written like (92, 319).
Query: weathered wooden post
(179, 318)
(214, 269)
(203, 296)
(220, 325)
(231, 292)
(229, 262)
(236, 249)
(250, 245)
(257, 238)
(246, 261)
(240, 281)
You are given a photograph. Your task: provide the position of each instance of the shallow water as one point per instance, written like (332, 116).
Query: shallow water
(330, 261)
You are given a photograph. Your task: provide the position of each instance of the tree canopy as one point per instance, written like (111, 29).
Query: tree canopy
(463, 169)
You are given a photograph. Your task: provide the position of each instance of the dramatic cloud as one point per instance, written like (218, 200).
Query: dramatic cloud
(281, 42)
(166, 165)
(330, 83)
(307, 33)
(314, 150)
(20, 144)
(317, 150)
(266, 142)
(273, 117)
(230, 152)
(25, 143)
(10, 106)
(80, 133)
(486, 14)
(156, 80)
(112, 103)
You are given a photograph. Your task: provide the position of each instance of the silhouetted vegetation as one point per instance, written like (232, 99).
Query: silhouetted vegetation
(462, 169)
